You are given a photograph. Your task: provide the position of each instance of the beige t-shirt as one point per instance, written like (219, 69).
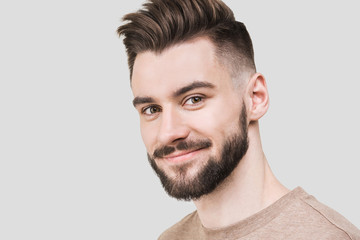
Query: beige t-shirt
(297, 215)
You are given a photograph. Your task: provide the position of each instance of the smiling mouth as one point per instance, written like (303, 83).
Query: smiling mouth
(178, 157)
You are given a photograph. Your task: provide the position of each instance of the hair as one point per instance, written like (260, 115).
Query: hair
(165, 23)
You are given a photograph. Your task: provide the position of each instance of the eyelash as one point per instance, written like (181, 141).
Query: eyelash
(149, 107)
(200, 100)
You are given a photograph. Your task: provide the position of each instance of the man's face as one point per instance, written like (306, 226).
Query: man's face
(193, 121)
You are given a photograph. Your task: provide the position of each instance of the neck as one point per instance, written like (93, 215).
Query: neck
(250, 188)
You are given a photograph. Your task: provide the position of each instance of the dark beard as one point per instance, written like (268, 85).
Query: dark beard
(212, 174)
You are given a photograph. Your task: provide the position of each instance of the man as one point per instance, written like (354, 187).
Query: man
(199, 98)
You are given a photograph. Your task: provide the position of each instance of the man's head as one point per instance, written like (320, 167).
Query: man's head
(187, 58)
(165, 23)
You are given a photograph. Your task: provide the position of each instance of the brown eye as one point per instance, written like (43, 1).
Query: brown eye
(194, 100)
(151, 110)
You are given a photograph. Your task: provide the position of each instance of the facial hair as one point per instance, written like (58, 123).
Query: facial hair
(215, 170)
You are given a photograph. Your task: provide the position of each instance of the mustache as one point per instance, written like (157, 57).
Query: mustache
(184, 145)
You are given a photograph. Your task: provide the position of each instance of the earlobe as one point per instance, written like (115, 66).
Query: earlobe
(258, 97)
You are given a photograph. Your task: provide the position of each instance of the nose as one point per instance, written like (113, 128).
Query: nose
(172, 127)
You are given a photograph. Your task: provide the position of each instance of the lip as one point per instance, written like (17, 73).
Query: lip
(178, 157)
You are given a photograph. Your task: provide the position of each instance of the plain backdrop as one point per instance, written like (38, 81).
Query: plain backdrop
(72, 162)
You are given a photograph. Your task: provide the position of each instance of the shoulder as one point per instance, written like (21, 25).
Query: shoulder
(320, 216)
(186, 227)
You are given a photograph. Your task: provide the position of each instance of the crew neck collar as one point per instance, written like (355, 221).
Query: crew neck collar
(259, 219)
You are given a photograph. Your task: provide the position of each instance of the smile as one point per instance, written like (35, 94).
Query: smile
(179, 157)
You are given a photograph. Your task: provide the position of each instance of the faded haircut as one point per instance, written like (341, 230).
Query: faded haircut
(161, 24)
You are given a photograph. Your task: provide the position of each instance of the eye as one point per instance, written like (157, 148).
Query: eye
(151, 110)
(193, 100)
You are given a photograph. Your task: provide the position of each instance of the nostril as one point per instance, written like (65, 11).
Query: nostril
(179, 140)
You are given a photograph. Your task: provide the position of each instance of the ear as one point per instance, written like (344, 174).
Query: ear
(258, 97)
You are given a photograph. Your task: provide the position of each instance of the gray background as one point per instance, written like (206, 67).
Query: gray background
(72, 163)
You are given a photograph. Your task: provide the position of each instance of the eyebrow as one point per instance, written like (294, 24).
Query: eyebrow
(194, 85)
(142, 100)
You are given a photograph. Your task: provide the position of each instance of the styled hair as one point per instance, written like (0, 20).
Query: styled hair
(161, 24)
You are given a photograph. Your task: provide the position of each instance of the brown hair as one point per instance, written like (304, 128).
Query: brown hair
(164, 23)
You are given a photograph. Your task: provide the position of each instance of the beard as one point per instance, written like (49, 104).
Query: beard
(212, 173)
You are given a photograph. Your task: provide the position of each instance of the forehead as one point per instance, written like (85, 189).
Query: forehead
(175, 67)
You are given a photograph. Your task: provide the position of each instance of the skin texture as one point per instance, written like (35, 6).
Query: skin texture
(171, 111)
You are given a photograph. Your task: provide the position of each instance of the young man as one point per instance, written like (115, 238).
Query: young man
(199, 98)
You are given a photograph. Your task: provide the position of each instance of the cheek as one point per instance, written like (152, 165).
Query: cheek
(217, 121)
